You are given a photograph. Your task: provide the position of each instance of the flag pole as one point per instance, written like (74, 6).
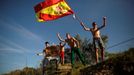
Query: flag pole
(76, 18)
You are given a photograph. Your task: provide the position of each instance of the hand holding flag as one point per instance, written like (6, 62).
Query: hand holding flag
(78, 19)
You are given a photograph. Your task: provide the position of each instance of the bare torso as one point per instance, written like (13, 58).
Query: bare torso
(95, 32)
(71, 42)
(62, 48)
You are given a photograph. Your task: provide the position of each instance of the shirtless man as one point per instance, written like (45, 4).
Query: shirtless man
(62, 44)
(96, 37)
(74, 45)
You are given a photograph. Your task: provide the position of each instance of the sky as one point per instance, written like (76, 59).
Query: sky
(21, 36)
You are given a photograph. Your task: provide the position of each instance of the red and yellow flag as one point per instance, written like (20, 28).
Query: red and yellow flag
(51, 10)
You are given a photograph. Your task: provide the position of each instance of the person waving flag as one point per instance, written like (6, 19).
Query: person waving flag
(51, 10)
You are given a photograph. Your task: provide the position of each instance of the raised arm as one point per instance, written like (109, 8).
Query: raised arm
(104, 23)
(64, 44)
(60, 37)
(81, 23)
(85, 28)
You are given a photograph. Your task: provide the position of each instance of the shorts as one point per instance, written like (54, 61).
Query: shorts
(97, 42)
(62, 55)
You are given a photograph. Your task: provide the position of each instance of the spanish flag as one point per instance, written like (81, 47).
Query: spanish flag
(51, 10)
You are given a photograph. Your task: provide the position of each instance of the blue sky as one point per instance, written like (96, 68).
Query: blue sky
(21, 36)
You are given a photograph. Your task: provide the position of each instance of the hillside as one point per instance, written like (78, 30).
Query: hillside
(117, 64)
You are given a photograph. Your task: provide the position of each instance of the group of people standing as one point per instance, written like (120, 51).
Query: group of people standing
(74, 44)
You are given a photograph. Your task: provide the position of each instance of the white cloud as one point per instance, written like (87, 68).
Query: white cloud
(18, 28)
(8, 45)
